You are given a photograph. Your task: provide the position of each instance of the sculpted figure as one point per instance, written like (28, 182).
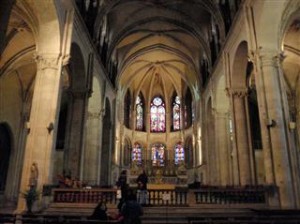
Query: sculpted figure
(34, 174)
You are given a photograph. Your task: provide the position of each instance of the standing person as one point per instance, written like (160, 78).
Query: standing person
(122, 184)
(142, 181)
(131, 210)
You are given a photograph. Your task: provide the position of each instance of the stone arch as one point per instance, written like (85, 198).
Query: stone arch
(238, 92)
(77, 97)
(239, 66)
(268, 24)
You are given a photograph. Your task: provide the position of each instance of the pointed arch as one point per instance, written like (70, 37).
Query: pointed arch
(157, 115)
(176, 113)
(158, 154)
(136, 153)
(139, 104)
(179, 153)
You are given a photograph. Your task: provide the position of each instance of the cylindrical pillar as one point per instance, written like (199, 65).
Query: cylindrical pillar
(43, 123)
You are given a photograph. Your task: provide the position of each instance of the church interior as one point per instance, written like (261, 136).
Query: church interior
(202, 95)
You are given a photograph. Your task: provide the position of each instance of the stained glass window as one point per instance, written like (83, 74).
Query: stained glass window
(158, 115)
(158, 154)
(179, 153)
(176, 114)
(139, 113)
(136, 154)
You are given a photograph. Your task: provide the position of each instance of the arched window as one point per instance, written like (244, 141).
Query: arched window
(158, 115)
(176, 113)
(136, 154)
(127, 103)
(179, 153)
(158, 154)
(139, 113)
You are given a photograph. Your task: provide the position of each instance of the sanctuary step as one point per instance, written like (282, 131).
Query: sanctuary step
(184, 215)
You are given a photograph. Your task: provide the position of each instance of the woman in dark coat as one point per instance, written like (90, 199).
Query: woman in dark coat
(100, 212)
(131, 210)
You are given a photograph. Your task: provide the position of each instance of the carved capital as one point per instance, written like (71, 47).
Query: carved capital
(47, 61)
(271, 57)
(237, 92)
(94, 116)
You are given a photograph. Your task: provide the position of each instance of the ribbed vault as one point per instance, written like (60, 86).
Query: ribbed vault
(157, 43)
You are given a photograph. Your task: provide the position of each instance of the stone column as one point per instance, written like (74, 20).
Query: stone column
(75, 132)
(43, 121)
(275, 106)
(213, 161)
(241, 134)
(223, 147)
(101, 116)
(91, 153)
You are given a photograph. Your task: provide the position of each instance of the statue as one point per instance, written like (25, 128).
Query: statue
(34, 174)
(181, 169)
(134, 171)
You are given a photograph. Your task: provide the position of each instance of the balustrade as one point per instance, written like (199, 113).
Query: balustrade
(219, 195)
(170, 197)
(84, 195)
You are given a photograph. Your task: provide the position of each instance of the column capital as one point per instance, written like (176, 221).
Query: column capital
(271, 57)
(47, 61)
(94, 115)
(237, 92)
(221, 114)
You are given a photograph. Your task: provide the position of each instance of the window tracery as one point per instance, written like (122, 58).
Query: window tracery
(179, 153)
(139, 113)
(136, 154)
(158, 154)
(176, 113)
(157, 115)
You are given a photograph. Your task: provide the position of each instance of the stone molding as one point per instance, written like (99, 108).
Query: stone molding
(271, 58)
(94, 115)
(237, 92)
(47, 61)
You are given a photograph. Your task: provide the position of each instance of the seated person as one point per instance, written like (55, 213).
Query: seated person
(100, 212)
(131, 210)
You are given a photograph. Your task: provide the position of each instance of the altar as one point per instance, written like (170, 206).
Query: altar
(160, 177)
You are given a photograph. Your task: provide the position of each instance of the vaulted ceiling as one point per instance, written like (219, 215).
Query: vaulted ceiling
(157, 45)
